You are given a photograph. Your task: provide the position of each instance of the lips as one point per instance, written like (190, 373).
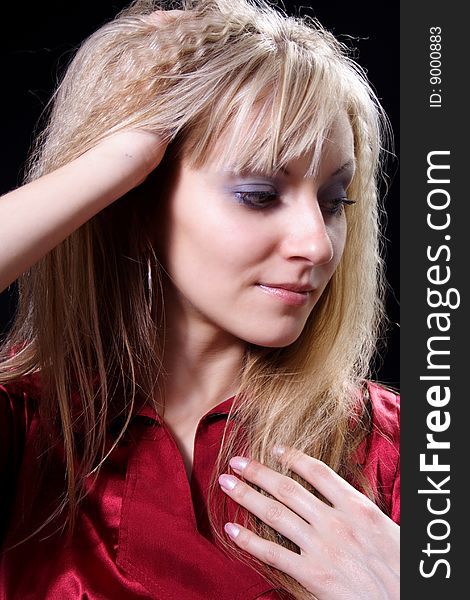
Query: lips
(292, 294)
(293, 287)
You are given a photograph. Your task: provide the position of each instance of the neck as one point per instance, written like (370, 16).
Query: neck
(202, 365)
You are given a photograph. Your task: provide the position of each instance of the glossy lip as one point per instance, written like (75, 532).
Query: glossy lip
(289, 293)
(293, 287)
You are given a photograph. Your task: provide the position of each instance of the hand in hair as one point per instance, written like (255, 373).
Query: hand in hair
(39, 215)
(347, 550)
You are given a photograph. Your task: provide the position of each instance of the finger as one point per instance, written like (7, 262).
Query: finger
(268, 552)
(271, 512)
(326, 481)
(288, 491)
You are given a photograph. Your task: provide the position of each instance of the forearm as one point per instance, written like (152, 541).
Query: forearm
(39, 215)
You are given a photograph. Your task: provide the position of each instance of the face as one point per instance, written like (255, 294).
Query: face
(250, 255)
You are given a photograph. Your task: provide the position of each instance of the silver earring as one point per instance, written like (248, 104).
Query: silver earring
(149, 285)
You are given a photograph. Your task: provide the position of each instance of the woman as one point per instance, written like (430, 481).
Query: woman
(197, 315)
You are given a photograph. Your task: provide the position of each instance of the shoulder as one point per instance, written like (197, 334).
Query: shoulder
(380, 451)
(26, 390)
(18, 406)
(385, 407)
(18, 425)
(383, 441)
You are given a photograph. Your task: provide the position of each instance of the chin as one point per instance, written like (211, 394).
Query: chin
(280, 340)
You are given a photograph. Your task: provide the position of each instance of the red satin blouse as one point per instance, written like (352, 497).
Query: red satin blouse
(143, 530)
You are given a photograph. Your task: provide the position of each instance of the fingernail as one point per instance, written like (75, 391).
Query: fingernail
(238, 463)
(278, 451)
(232, 530)
(228, 482)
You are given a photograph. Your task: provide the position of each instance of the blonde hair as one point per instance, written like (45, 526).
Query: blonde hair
(90, 317)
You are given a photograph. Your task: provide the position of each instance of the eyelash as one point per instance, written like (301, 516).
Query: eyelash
(339, 204)
(268, 198)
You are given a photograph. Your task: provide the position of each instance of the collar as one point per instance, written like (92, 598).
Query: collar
(222, 409)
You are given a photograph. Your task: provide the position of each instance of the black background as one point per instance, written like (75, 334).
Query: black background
(40, 40)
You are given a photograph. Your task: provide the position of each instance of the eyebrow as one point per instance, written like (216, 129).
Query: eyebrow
(347, 166)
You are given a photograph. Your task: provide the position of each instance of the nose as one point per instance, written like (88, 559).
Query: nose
(307, 236)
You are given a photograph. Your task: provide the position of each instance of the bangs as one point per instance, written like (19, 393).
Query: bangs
(276, 108)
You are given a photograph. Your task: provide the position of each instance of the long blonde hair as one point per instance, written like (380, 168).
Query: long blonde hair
(90, 319)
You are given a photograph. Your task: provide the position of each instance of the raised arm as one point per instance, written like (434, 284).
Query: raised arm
(39, 215)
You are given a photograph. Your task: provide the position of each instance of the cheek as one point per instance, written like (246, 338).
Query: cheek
(218, 239)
